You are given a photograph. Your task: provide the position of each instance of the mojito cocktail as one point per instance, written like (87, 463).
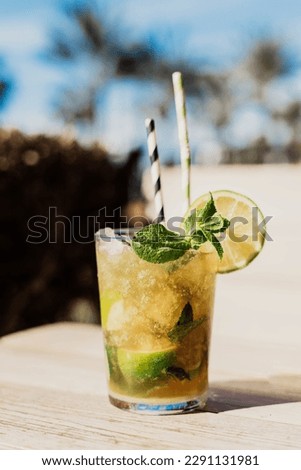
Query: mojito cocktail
(156, 320)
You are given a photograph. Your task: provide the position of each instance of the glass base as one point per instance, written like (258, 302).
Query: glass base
(160, 408)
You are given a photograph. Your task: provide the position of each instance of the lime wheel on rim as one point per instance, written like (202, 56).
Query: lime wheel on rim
(245, 237)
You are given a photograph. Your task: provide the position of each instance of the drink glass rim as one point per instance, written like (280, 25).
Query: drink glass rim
(120, 234)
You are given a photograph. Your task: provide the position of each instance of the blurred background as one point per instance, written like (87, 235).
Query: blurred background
(77, 80)
(93, 69)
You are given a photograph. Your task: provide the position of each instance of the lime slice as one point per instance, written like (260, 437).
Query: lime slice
(144, 365)
(107, 299)
(243, 240)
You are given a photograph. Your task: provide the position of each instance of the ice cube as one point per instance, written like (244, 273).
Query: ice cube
(111, 244)
(116, 316)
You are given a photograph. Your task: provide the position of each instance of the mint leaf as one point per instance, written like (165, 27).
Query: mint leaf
(190, 222)
(178, 372)
(226, 225)
(200, 217)
(185, 324)
(197, 239)
(209, 210)
(180, 331)
(155, 244)
(203, 223)
(186, 315)
(214, 224)
(202, 236)
(216, 243)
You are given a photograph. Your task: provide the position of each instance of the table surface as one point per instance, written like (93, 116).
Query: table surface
(52, 382)
(53, 396)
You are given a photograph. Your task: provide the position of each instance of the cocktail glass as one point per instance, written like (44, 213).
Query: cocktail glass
(156, 321)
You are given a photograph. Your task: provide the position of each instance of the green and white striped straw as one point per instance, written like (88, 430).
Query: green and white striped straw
(183, 137)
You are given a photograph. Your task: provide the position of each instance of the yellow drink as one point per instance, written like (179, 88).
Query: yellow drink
(156, 321)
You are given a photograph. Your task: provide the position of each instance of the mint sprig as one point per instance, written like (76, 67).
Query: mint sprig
(156, 244)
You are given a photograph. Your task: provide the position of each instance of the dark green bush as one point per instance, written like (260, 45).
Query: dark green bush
(44, 282)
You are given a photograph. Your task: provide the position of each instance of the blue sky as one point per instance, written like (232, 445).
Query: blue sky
(219, 31)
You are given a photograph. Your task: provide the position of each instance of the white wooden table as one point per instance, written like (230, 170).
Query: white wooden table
(53, 396)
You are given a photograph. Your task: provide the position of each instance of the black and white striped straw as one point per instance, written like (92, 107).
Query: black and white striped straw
(155, 168)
